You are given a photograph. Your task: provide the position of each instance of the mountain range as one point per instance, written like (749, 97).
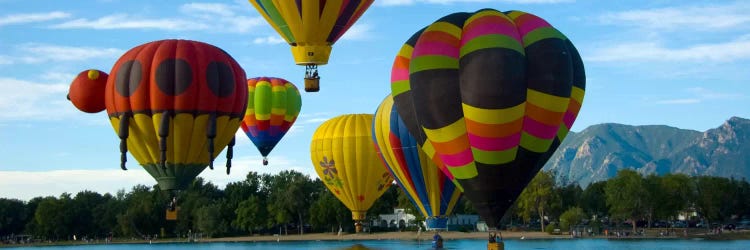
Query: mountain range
(598, 152)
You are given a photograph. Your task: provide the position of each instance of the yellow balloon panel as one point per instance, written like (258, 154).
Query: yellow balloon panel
(187, 142)
(431, 191)
(345, 159)
(311, 27)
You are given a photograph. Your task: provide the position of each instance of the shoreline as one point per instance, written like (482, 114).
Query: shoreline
(452, 235)
(406, 236)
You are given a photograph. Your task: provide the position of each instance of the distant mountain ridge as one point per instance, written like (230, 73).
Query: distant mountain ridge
(598, 152)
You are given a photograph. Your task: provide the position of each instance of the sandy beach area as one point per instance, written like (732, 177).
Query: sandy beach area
(426, 236)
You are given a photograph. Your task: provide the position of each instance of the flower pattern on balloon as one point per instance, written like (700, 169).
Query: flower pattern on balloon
(330, 173)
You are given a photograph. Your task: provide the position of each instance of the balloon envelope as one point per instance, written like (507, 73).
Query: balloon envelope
(87, 91)
(431, 191)
(311, 27)
(272, 108)
(344, 157)
(175, 104)
(491, 95)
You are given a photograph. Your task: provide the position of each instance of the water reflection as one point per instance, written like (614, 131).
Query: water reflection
(550, 244)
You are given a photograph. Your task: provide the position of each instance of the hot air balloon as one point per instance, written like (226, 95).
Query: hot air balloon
(491, 94)
(344, 157)
(272, 107)
(431, 191)
(311, 27)
(87, 91)
(175, 104)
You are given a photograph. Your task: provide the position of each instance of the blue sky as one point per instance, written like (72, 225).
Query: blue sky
(678, 63)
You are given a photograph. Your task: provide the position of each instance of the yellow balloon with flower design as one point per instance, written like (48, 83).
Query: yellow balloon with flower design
(344, 156)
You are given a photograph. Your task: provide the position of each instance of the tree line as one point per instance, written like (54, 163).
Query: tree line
(291, 202)
(288, 202)
(633, 199)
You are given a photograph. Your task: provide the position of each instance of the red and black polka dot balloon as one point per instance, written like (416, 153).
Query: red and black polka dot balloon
(179, 76)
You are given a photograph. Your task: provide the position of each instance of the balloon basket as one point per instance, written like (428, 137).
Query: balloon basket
(496, 246)
(172, 214)
(312, 84)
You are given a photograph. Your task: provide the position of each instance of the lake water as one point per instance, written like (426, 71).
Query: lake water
(576, 244)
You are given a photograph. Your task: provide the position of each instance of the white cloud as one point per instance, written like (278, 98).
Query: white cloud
(411, 2)
(25, 185)
(274, 39)
(657, 52)
(207, 9)
(358, 31)
(40, 53)
(690, 33)
(313, 118)
(707, 94)
(710, 17)
(242, 24)
(57, 77)
(700, 95)
(123, 21)
(241, 139)
(25, 100)
(32, 17)
(680, 101)
(198, 16)
(242, 165)
(223, 17)
(5, 60)
(295, 129)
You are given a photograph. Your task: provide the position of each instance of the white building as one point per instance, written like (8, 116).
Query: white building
(399, 217)
(463, 219)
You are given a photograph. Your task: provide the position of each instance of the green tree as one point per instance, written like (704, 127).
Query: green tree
(237, 192)
(31, 206)
(251, 214)
(390, 199)
(105, 214)
(53, 218)
(653, 195)
(13, 216)
(593, 199)
(677, 190)
(625, 196)
(739, 195)
(144, 214)
(571, 217)
(568, 196)
(82, 209)
(711, 196)
(537, 197)
(189, 201)
(290, 197)
(208, 220)
(742, 197)
(328, 212)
